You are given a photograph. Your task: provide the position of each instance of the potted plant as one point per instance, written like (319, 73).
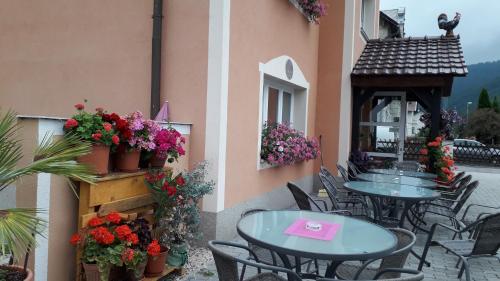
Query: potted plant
(92, 128)
(440, 156)
(283, 145)
(169, 146)
(141, 134)
(178, 215)
(19, 226)
(109, 245)
(157, 256)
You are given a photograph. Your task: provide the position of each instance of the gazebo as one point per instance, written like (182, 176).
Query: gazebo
(394, 72)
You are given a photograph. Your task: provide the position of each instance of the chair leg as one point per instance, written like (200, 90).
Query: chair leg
(458, 263)
(465, 267)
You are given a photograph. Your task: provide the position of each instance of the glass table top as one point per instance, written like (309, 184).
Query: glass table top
(397, 179)
(422, 175)
(398, 191)
(354, 240)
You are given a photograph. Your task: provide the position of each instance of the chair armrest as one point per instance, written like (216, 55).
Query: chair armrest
(478, 205)
(322, 201)
(340, 212)
(400, 270)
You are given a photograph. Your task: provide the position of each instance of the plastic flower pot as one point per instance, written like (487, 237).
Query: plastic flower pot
(128, 160)
(157, 162)
(97, 159)
(91, 272)
(156, 265)
(177, 256)
(29, 273)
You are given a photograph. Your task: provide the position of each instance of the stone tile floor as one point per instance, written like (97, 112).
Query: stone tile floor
(202, 268)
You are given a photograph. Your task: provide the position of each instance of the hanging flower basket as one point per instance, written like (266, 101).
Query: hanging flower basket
(311, 9)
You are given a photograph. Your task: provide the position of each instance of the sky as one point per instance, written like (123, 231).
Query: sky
(479, 27)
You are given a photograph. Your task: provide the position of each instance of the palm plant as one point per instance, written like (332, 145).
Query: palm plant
(19, 226)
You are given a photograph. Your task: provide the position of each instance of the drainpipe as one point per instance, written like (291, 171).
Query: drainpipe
(156, 57)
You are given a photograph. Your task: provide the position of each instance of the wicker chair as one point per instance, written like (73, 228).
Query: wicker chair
(415, 275)
(484, 241)
(306, 202)
(490, 210)
(451, 185)
(412, 166)
(397, 259)
(269, 257)
(227, 265)
(457, 188)
(342, 199)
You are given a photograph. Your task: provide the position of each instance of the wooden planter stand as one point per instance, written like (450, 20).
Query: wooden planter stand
(125, 193)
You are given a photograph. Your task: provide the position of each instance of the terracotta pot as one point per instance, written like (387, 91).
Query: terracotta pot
(97, 159)
(156, 265)
(29, 273)
(122, 274)
(91, 272)
(157, 162)
(128, 160)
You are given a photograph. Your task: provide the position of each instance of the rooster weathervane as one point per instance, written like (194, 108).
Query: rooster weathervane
(443, 23)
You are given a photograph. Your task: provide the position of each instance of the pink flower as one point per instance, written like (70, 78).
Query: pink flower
(71, 123)
(107, 126)
(79, 106)
(115, 139)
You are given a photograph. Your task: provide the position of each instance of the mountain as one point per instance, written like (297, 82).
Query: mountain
(465, 89)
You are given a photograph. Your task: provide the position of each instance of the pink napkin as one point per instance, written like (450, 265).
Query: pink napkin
(327, 232)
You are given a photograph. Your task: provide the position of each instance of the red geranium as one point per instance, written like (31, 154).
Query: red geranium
(107, 127)
(123, 231)
(95, 221)
(133, 239)
(97, 136)
(75, 239)
(114, 218)
(154, 248)
(128, 255)
(71, 123)
(115, 139)
(102, 235)
(79, 106)
(180, 181)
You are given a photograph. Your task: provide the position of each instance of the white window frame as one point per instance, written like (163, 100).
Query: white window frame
(281, 88)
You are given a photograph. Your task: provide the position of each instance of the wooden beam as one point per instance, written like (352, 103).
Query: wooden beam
(126, 204)
(400, 81)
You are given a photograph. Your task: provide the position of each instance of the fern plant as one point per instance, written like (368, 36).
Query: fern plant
(19, 226)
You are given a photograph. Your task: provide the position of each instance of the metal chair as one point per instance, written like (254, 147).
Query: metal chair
(415, 275)
(397, 259)
(483, 241)
(412, 166)
(306, 202)
(342, 199)
(456, 189)
(269, 257)
(345, 174)
(227, 265)
(449, 186)
(464, 221)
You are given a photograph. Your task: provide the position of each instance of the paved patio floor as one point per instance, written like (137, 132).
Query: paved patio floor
(442, 264)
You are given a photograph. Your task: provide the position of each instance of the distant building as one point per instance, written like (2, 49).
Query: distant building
(392, 23)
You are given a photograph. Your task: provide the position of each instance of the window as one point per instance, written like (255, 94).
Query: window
(367, 18)
(278, 103)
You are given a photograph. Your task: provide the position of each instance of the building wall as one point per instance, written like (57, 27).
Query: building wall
(59, 52)
(260, 31)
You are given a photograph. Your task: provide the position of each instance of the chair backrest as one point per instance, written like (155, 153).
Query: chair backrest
(408, 166)
(252, 211)
(465, 196)
(352, 168)
(460, 185)
(330, 188)
(303, 200)
(343, 172)
(457, 177)
(488, 236)
(227, 265)
(406, 240)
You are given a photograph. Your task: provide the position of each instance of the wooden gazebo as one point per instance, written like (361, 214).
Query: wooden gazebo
(423, 68)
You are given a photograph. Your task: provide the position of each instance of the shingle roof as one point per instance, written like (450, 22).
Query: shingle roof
(412, 56)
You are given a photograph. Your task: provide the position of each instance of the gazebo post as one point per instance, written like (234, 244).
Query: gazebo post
(435, 120)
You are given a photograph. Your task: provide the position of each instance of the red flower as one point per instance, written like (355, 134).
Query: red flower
(180, 181)
(123, 231)
(171, 190)
(114, 218)
(71, 123)
(424, 151)
(99, 110)
(128, 255)
(97, 136)
(114, 117)
(75, 239)
(121, 124)
(439, 139)
(133, 239)
(79, 106)
(102, 235)
(154, 248)
(115, 139)
(95, 221)
(107, 126)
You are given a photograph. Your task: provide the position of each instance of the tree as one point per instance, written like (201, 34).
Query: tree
(495, 106)
(18, 226)
(484, 99)
(484, 124)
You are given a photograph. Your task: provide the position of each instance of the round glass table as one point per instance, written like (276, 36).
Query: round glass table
(407, 193)
(354, 240)
(397, 179)
(422, 175)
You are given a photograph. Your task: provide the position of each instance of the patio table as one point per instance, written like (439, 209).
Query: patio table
(354, 240)
(422, 175)
(397, 179)
(407, 193)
